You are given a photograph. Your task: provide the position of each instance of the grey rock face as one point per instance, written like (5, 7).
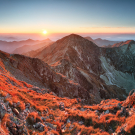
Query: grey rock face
(3, 110)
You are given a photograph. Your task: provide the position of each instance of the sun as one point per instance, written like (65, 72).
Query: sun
(44, 32)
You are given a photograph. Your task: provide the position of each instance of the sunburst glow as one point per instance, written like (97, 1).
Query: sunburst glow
(44, 32)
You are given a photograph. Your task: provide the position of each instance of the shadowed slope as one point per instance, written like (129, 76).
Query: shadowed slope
(38, 73)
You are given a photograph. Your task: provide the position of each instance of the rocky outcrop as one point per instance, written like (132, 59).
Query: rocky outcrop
(118, 62)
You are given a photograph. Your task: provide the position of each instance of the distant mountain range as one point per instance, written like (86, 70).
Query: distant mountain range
(27, 48)
(11, 46)
(102, 42)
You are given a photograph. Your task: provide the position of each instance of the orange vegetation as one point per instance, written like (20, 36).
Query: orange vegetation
(74, 118)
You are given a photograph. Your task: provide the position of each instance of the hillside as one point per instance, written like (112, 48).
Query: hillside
(26, 109)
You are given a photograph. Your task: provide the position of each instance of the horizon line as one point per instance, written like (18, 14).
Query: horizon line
(68, 33)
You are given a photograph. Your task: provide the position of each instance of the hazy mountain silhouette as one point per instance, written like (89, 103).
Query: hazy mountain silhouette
(11, 46)
(27, 48)
(102, 42)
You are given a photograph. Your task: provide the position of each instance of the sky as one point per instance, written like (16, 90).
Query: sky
(67, 16)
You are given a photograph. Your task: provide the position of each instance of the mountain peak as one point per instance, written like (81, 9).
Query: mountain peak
(128, 42)
(75, 39)
(74, 36)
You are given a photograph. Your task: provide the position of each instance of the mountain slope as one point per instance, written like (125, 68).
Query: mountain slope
(79, 60)
(120, 62)
(26, 109)
(38, 73)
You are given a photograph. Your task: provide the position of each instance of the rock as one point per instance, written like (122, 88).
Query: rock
(61, 106)
(39, 126)
(43, 119)
(107, 112)
(71, 127)
(14, 105)
(18, 103)
(81, 122)
(78, 100)
(49, 124)
(41, 129)
(16, 111)
(27, 105)
(82, 109)
(123, 111)
(3, 110)
(68, 121)
(51, 116)
(97, 112)
(9, 110)
(119, 106)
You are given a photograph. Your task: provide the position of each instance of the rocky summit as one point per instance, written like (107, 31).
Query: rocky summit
(69, 87)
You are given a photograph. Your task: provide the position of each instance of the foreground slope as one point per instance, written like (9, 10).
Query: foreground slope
(26, 109)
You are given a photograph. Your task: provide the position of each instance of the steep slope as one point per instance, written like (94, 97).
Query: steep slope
(11, 46)
(38, 73)
(79, 60)
(25, 109)
(119, 62)
(27, 48)
(33, 53)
